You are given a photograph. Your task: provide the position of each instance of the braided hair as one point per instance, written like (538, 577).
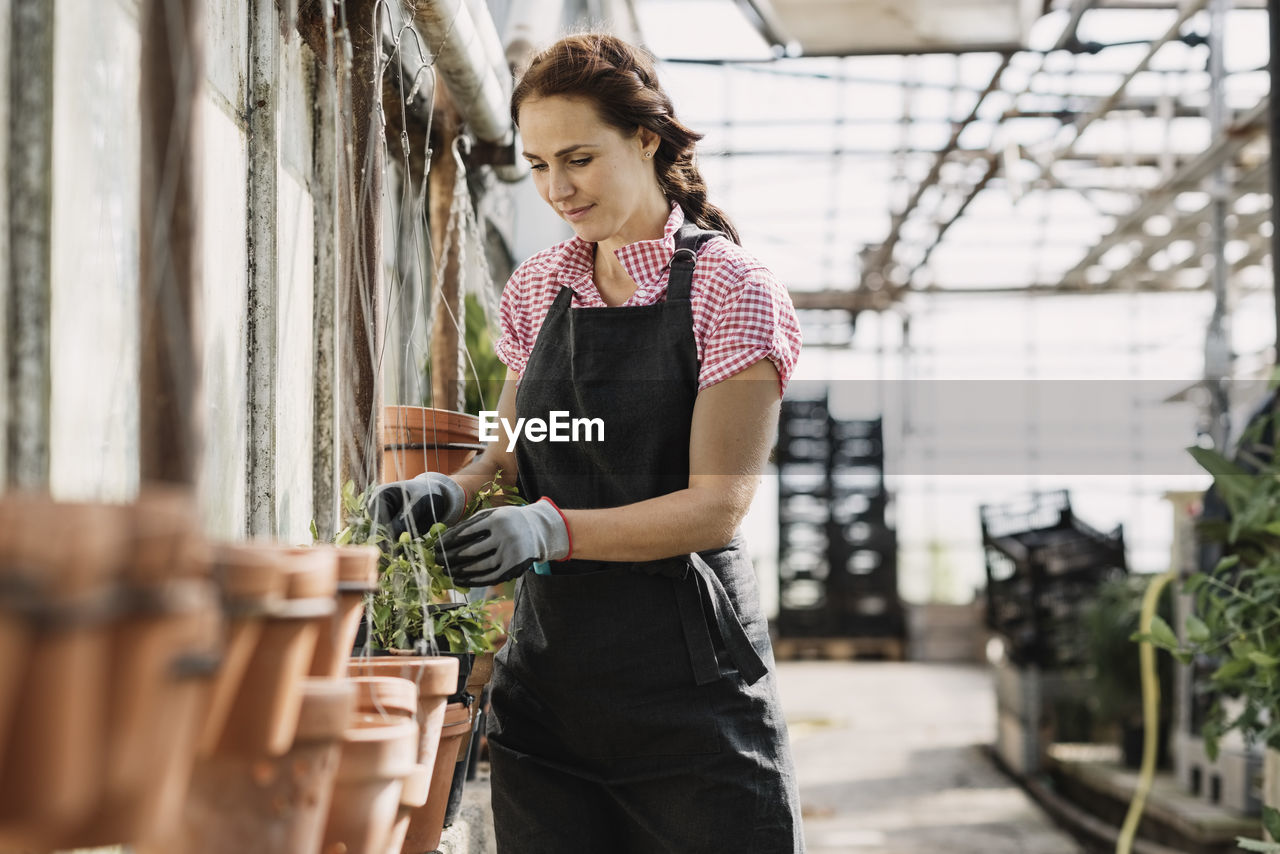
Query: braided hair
(622, 81)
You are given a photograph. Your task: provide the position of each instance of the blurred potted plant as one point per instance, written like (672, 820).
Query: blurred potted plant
(1108, 624)
(1236, 618)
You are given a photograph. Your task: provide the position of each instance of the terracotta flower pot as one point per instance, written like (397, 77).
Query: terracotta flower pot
(416, 440)
(376, 759)
(62, 558)
(427, 825)
(263, 805)
(264, 713)
(412, 797)
(165, 648)
(389, 696)
(357, 577)
(253, 582)
(164, 667)
(437, 679)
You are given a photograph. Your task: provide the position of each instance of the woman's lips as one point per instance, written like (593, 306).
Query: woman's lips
(578, 213)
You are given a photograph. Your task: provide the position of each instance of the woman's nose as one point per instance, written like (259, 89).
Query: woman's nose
(560, 187)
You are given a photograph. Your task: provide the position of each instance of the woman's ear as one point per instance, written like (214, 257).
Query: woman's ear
(649, 141)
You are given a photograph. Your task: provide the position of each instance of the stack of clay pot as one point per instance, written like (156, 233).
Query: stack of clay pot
(436, 679)
(273, 737)
(110, 630)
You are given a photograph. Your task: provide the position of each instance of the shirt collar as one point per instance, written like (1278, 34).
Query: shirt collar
(644, 261)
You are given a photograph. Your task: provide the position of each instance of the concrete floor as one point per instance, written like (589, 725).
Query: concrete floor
(890, 761)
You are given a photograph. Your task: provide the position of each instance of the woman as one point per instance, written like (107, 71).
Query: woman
(635, 709)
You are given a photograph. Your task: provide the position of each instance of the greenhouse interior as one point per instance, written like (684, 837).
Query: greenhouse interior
(923, 404)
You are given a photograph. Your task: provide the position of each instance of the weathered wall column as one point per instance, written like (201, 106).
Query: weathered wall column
(324, 486)
(170, 264)
(360, 246)
(30, 179)
(260, 500)
(447, 388)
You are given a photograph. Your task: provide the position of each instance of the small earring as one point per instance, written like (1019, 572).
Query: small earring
(648, 154)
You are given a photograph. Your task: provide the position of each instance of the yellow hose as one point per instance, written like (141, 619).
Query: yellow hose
(1150, 714)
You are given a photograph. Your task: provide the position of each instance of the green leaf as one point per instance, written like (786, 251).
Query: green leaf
(1271, 821)
(1257, 845)
(1226, 563)
(1162, 635)
(1263, 660)
(1232, 669)
(1232, 481)
(1197, 631)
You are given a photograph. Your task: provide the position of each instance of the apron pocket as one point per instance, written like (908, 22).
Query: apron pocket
(607, 653)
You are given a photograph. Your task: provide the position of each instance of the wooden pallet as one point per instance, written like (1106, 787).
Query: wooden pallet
(792, 648)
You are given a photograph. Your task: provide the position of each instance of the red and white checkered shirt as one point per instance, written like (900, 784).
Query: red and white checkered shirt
(741, 312)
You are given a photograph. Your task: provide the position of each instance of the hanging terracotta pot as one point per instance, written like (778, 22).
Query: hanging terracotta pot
(416, 439)
(376, 759)
(264, 713)
(62, 558)
(413, 796)
(253, 581)
(357, 578)
(427, 824)
(270, 805)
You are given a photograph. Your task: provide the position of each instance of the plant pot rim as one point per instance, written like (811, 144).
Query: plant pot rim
(433, 675)
(375, 749)
(326, 710)
(379, 694)
(357, 568)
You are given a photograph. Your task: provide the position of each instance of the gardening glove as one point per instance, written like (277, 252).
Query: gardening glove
(417, 504)
(499, 544)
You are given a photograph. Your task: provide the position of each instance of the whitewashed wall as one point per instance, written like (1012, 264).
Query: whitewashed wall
(94, 300)
(94, 406)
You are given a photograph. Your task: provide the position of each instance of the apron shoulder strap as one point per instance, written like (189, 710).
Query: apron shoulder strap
(689, 240)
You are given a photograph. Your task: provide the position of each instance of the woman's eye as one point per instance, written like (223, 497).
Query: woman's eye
(537, 166)
(581, 161)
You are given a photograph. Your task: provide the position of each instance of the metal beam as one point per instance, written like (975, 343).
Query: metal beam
(1110, 103)
(1074, 14)
(992, 168)
(1190, 174)
(1187, 226)
(883, 254)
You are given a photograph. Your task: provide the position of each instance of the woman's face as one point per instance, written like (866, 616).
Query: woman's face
(594, 177)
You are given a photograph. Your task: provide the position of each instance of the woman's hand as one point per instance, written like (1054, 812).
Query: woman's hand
(501, 543)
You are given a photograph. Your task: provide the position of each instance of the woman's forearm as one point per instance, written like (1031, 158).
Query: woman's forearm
(694, 519)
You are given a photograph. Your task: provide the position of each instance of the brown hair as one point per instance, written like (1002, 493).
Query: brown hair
(622, 82)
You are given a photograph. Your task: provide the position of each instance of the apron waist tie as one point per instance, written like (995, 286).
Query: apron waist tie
(706, 585)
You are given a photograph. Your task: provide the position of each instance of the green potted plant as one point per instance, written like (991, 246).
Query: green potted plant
(1108, 624)
(1236, 617)
(410, 610)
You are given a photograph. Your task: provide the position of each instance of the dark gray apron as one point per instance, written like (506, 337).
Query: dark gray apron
(634, 709)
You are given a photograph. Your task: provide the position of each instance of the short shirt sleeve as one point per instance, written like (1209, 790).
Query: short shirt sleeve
(756, 321)
(514, 340)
